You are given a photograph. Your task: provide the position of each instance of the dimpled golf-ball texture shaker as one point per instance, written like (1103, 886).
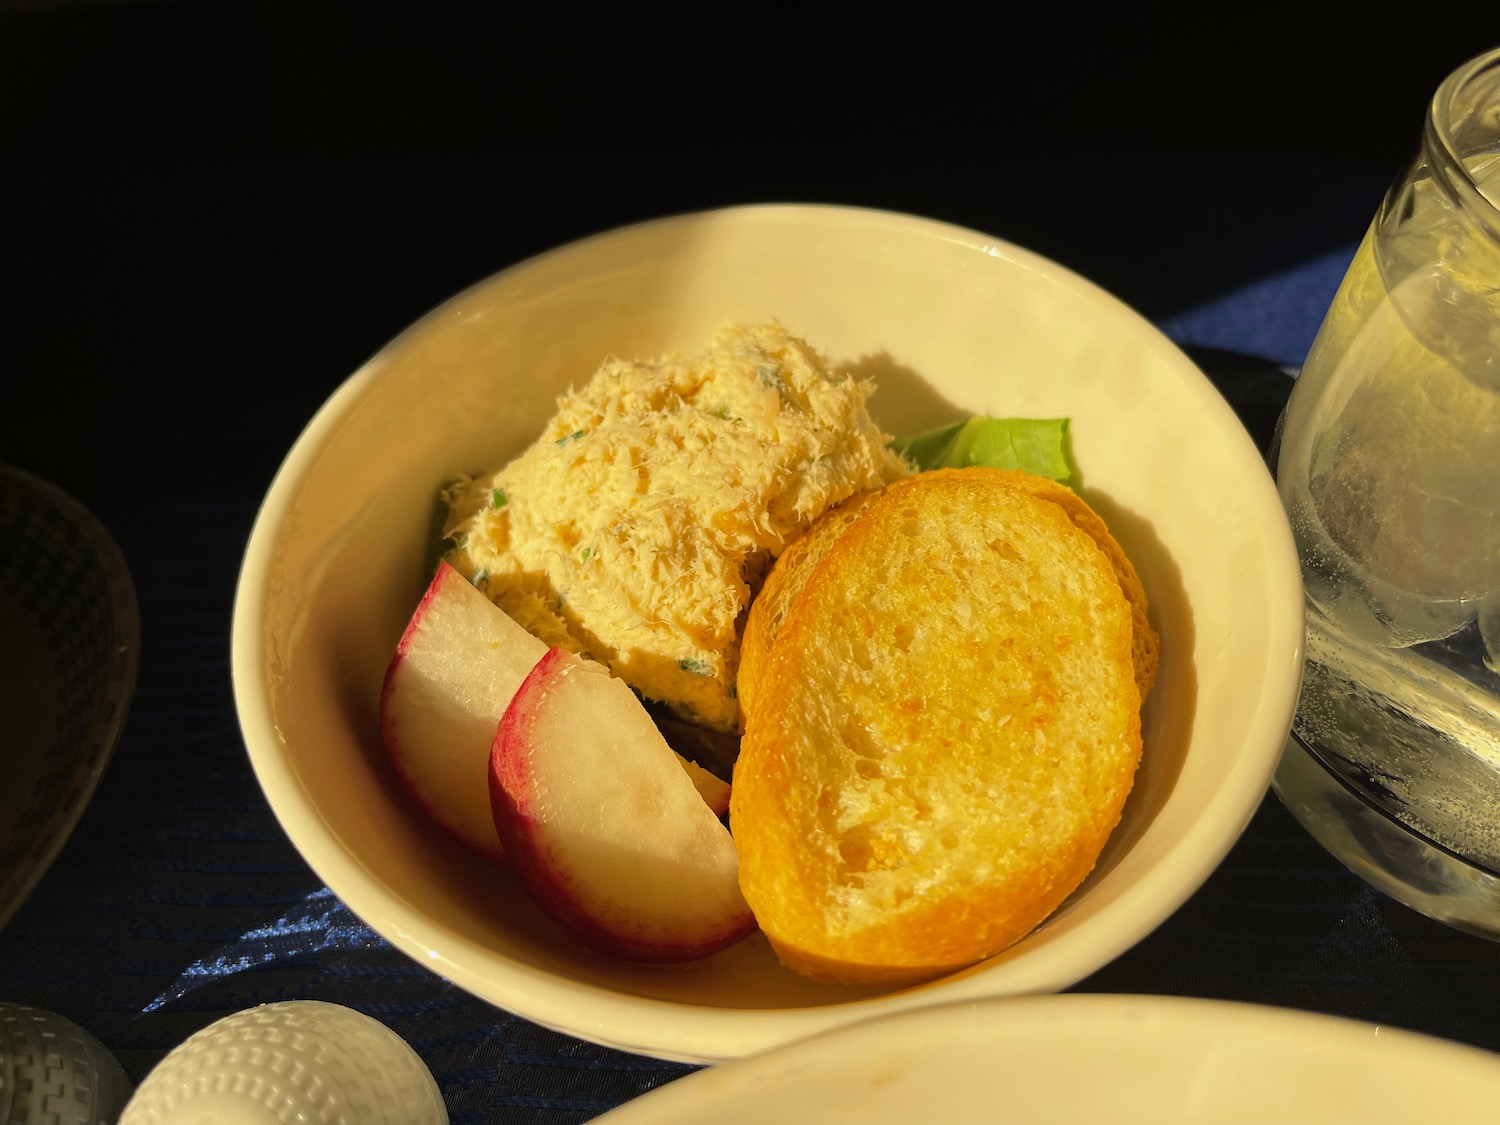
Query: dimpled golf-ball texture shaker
(294, 1061)
(53, 1072)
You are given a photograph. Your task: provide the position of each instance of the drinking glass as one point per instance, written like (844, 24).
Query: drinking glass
(1388, 462)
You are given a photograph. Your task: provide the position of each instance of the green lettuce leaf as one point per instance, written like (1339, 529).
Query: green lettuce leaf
(1035, 445)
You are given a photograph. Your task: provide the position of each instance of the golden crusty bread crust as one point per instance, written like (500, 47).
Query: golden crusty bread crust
(782, 584)
(790, 572)
(943, 736)
(1146, 645)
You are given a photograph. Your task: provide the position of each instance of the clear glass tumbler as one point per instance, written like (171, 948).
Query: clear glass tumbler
(1389, 466)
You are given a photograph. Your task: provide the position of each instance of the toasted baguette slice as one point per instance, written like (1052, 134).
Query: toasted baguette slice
(945, 733)
(782, 584)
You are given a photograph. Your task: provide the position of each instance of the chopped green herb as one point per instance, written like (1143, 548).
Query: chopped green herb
(574, 436)
(585, 553)
(769, 374)
(695, 667)
(721, 411)
(498, 498)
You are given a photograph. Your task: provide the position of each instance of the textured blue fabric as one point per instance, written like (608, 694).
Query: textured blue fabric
(179, 899)
(1275, 318)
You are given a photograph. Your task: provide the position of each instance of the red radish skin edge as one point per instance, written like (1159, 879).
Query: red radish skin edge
(508, 775)
(445, 574)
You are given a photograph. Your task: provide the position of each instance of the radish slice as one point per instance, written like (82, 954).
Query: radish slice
(602, 824)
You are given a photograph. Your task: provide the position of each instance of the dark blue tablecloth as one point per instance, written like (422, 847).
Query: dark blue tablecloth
(210, 325)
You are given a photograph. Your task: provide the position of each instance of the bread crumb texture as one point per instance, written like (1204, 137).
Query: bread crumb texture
(944, 730)
(637, 527)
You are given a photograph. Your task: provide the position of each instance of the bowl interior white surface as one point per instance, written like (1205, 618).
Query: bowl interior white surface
(948, 322)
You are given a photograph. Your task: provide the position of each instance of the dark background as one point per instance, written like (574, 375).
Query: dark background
(212, 212)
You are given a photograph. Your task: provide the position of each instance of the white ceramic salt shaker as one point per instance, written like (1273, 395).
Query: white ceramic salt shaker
(53, 1072)
(298, 1060)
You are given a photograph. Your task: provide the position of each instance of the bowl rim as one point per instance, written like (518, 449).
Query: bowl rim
(697, 1033)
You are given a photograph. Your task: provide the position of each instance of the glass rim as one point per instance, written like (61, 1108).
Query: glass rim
(1446, 161)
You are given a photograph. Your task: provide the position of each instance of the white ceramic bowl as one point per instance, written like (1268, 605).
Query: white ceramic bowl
(1083, 1059)
(948, 322)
